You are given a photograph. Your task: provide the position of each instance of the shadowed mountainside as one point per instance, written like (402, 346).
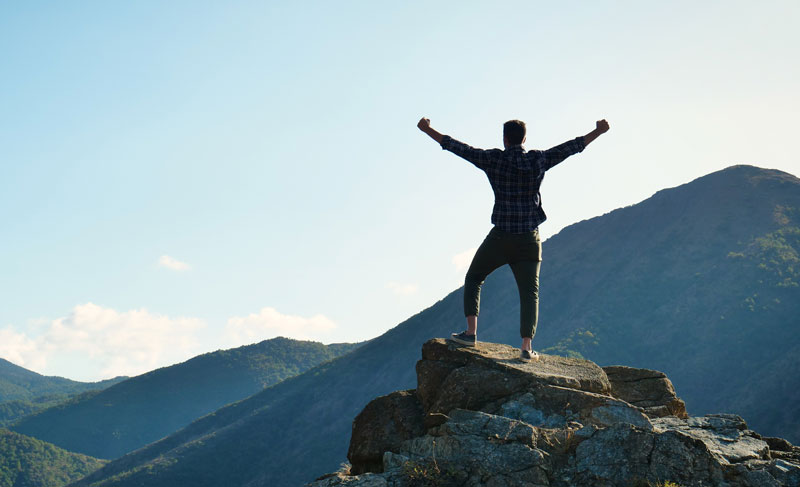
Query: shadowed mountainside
(699, 281)
(143, 409)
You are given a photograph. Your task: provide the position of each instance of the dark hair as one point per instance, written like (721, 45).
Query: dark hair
(514, 131)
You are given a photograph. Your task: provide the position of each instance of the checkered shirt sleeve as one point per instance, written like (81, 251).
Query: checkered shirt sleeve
(560, 152)
(481, 158)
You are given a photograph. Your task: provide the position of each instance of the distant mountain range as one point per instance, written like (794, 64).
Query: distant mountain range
(143, 409)
(18, 383)
(24, 392)
(28, 462)
(701, 281)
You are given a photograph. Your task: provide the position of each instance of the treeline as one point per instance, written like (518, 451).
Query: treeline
(28, 462)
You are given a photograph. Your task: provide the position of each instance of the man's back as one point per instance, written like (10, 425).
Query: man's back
(515, 175)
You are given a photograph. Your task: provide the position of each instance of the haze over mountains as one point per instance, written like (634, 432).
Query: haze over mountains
(140, 410)
(701, 281)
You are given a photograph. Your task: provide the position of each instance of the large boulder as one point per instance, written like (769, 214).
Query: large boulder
(479, 417)
(383, 425)
(449, 376)
(551, 392)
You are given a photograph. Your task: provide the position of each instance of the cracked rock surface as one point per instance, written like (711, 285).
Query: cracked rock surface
(481, 418)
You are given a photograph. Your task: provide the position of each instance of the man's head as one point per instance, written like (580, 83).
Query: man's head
(513, 133)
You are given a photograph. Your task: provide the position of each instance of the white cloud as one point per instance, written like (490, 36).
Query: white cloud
(94, 342)
(402, 289)
(464, 259)
(19, 349)
(269, 323)
(109, 343)
(173, 263)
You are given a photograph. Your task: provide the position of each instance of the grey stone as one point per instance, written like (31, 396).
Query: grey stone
(618, 454)
(473, 386)
(719, 422)
(748, 477)
(499, 428)
(430, 375)
(365, 480)
(650, 390)
(778, 444)
(620, 413)
(586, 407)
(552, 369)
(787, 473)
(383, 425)
(723, 435)
(524, 408)
(482, 445)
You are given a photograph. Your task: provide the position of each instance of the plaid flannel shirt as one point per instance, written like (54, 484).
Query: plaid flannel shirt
(515, 175)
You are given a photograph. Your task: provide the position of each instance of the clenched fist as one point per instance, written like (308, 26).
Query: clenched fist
(602, 126)
(424, 124)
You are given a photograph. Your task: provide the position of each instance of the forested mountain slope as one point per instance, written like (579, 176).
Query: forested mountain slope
(28, 462)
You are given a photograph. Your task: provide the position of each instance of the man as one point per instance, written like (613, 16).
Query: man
(515, 175)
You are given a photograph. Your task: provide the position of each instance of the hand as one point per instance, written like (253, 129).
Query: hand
(424, 124)
(602, 126)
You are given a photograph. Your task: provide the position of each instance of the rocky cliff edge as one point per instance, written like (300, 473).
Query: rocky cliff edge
(480, 417)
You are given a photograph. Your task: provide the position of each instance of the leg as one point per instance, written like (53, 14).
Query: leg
(526, 344)
(472, 324)
(526, 274)
(488, 258)
(525, 266)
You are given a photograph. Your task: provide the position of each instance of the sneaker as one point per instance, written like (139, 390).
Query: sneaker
(528, 355)
(464, 339)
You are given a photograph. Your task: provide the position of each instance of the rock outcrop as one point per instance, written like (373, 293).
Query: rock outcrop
(480, 417)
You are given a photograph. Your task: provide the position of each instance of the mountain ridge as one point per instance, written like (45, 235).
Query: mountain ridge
(20, 383)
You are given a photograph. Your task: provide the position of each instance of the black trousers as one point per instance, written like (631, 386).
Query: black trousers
(523, 252)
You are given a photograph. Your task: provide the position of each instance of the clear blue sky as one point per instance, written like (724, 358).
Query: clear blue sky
(178, 177)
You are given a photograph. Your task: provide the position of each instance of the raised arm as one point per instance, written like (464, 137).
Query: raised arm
(600, 128)
(560, 152)
(480, 158)
(424, 124)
